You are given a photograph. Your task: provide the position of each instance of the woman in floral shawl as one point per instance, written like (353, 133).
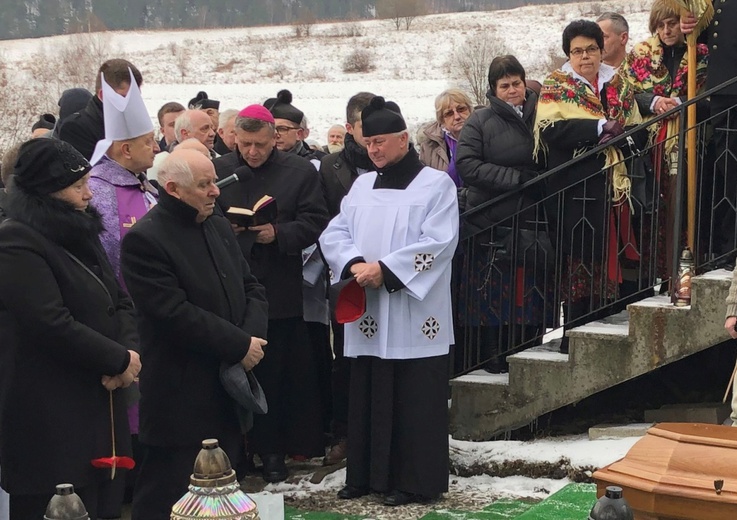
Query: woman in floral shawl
(658, 72)
(583, 104)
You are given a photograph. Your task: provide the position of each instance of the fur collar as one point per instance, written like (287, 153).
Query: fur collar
(55, 219)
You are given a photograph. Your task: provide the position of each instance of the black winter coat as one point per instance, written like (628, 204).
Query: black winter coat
(494, 156)
(199, 305)
(339, 170)
(337, 177)
(721, 38)
(3, 195)
(586, 205)
(308, 153)
(84, 128)
(295, 185)
(62, 329)
(219, 146)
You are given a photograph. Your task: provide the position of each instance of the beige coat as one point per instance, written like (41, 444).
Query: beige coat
(433, 151)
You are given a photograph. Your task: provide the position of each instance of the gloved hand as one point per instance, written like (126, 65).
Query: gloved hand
(610, 130)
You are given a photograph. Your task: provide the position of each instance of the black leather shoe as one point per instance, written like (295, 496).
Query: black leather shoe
(274, 469)
(351, 492)
(400, 498)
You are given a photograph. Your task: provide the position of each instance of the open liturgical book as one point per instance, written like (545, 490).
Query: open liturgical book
(263, 212)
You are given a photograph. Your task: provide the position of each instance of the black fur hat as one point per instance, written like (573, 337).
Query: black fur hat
(48, 165)
(281, 107)
(382, 117)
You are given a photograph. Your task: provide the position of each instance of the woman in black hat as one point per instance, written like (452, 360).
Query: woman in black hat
(68, 335)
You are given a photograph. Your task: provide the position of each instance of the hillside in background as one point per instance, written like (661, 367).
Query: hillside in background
(322, 69)
(33, 18)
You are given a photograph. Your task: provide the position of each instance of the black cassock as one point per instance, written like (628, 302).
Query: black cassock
(398, 425)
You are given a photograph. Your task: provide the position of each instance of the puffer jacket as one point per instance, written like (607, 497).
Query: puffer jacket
(495, 156)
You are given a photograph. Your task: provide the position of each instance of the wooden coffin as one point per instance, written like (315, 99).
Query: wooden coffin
(671, 473)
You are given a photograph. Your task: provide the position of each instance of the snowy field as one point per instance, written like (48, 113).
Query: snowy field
(243, 66)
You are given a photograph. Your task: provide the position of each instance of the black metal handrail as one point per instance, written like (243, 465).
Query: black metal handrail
(512, 306)
(596, 150)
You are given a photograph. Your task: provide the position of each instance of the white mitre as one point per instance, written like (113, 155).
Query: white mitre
(125, 117)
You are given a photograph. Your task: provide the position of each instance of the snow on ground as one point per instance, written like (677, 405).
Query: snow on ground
(243, 66)
(465, 493)
(579, 450)
(496, 488)
(247, 65)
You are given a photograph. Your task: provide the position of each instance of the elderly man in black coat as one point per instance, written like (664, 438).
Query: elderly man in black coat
(288, 374)
(200, 309)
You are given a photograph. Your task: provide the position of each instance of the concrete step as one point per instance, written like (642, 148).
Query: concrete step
(649, 334)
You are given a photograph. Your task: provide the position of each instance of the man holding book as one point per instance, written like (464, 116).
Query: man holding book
(288, 374)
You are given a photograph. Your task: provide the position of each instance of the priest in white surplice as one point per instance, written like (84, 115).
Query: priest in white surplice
(396, 235)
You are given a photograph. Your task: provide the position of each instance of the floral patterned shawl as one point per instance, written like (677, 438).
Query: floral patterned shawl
(645, 70)
(564, 96)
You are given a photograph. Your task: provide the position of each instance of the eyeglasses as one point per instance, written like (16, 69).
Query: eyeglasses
(285, 129)
(460, 110)
(578, 52)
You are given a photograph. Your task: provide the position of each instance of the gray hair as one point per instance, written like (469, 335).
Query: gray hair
(176, 169)
(226, 116)
(304, 124)
(183, 122)
(618, 22)
(251, 125)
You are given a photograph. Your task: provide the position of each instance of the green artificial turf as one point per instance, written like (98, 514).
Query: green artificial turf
(573, 502)
(499, 510)
(292, 514)
(570, 503)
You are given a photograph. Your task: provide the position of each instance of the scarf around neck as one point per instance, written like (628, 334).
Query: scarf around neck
(645, 70)
(356, 155)
(452, 144)
(566, 95)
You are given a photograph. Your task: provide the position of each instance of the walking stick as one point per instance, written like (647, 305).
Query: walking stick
(703, 10)
(691, 142)
(114, 461)
(729, 385)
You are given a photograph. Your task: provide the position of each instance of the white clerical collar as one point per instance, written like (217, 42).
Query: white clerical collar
(606, 73)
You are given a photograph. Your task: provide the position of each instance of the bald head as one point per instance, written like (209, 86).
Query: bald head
(193, 144)
(190, 177)
(179, 166)
(197, 124)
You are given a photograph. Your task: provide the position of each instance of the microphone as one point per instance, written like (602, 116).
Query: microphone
(227, 181)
